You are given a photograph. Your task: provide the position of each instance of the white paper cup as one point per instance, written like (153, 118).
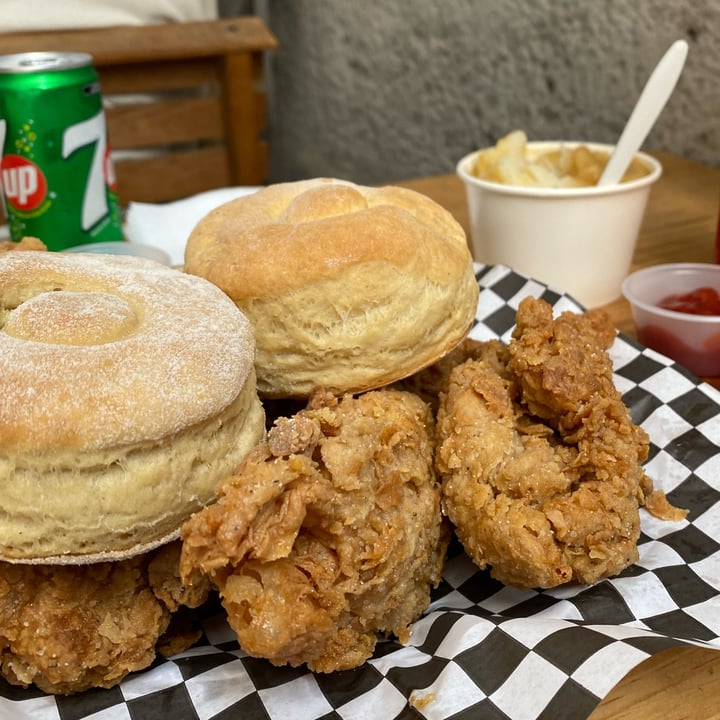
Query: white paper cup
(578, 240)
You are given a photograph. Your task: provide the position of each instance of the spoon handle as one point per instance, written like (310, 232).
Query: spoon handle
(652, 100)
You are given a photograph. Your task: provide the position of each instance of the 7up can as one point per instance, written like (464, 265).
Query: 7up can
(56, 175)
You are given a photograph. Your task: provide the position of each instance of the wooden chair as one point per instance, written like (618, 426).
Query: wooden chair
(185, 103)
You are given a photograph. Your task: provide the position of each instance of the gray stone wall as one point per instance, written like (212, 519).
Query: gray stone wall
(382, 90)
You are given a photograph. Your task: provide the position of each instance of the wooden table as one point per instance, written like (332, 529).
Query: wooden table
(679, 226)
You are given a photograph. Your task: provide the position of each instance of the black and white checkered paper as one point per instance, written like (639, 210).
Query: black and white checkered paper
(483, 650)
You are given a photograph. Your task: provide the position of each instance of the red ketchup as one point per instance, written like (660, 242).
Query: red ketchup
(703, 301)
(704, 361)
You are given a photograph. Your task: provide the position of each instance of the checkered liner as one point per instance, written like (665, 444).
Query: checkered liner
(484, 650)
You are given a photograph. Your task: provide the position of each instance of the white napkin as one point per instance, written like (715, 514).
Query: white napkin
(167, 226)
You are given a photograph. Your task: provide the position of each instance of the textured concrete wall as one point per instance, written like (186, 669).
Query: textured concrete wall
(381, 90)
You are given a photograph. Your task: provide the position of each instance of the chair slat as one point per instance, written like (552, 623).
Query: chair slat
(172, 175)
(160, 76)
(245, 107)
(151, 42)
(165, 122)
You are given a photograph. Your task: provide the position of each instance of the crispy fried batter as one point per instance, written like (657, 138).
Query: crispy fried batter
(541, 462)
(561, 364)
(432, 380)
(330, 532)
(657, 504)
(163, 575)
(27, 243)
(72, 627)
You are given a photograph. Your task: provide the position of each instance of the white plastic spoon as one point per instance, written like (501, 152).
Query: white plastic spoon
(652, 100)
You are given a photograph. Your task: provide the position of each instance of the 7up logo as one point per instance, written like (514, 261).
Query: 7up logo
(23, 182)
(25, 187)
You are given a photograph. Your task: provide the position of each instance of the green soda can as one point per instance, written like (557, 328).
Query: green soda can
(56, 174)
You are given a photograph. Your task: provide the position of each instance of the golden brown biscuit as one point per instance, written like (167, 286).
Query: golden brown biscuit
(127, 392)
(348, 287)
